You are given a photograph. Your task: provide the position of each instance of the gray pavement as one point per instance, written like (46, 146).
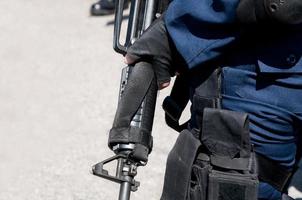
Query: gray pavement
(59, 80)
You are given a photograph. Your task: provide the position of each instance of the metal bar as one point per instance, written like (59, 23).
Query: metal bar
(117, 27)
(149, 13)
(125, 189)
(135, 19)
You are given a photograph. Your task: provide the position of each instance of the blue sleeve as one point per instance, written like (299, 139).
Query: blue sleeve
(201, 29)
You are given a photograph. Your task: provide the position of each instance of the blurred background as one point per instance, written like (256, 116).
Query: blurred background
(59, 82)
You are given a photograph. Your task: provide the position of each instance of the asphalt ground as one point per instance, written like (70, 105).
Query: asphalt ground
(59, 82)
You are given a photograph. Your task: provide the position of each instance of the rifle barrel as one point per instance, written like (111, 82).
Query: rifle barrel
(125, 190)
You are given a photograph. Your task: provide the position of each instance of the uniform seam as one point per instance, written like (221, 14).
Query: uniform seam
(202, 51)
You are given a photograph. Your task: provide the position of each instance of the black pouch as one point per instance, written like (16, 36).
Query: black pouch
(199, 178)
(220, 167)
(225, 135)
(179, 167)
(226, 186)
(210, 182)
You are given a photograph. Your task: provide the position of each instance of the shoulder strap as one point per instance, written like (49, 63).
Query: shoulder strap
(174, 104)
(271, 172)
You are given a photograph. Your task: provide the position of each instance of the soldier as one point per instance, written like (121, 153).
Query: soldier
(252, 50)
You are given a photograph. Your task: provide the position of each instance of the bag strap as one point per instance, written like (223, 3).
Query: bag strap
(175, 104)
(272, 172)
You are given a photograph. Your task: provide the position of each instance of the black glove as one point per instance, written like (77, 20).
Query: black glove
(152, 57)
(154, 46)
(270, 11)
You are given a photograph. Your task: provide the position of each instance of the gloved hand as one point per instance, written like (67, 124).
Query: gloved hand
(141, 86)
(151, 58)
(270, 11)
(154, 46)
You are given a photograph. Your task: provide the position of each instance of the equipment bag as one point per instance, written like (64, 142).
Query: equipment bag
(218, 165)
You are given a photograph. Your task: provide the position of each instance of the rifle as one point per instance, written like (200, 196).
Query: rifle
(142, 14)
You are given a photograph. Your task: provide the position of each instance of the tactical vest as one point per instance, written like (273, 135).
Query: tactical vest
(213, 158)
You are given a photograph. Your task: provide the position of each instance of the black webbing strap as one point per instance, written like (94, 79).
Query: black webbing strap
(180, 95)
(174, 104)
(231, 163)
(271, 172)
(131, 134)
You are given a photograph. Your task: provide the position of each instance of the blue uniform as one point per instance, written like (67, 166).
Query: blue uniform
(261, 77)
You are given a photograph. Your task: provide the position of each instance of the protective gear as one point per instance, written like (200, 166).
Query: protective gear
(261, 75)
(270, 11)
(179, 165)
(218, 162)
(154, 47)
(219, 165)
